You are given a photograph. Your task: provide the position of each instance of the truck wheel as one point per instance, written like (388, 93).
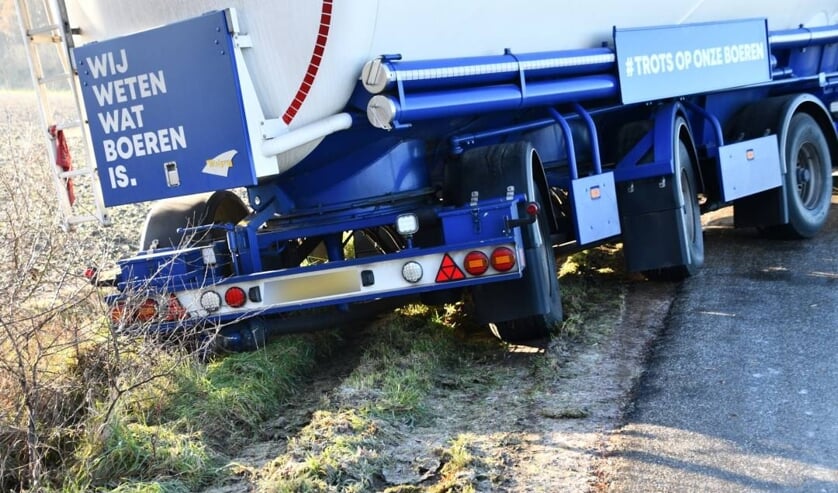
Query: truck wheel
(526, 308)
(540, 271)
(166, 216)
(374, 241)
(808, 186)
(691, 233)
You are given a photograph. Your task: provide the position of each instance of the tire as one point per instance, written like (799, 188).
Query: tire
(164, 219)
(540, 271)
(808, 180)
(528, 308)
(691, 234)
(373, 241)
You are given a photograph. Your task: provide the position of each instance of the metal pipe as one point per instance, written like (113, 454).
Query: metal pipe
(386, 73)
(306, 134)
(803, 37)
(568, 141)
(594, 137)
(386, 111)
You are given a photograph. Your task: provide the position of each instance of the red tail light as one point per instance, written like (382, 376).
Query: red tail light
(235, 297)
(476, 263)
(503, 259)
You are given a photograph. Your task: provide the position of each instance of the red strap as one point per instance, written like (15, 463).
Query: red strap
(63, 159)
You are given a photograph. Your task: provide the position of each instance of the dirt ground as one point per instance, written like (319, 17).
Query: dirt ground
(541, 428)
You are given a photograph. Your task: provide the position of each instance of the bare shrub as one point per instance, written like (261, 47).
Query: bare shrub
(65, 373)
(45, 316)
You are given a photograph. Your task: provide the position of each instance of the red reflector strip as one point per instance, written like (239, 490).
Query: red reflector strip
(313, 64)
(449, 271)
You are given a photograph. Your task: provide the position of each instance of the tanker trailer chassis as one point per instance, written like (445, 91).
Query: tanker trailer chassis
(452, 175)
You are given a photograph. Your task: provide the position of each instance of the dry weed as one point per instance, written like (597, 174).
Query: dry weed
(60, 365)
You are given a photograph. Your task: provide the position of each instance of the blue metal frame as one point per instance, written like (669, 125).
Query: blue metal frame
(171, 269)
(659, 140)
(494, 215)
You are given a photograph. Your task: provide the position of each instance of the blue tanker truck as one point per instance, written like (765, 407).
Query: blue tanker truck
(310, 161)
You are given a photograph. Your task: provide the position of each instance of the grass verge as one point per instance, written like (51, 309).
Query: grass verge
(234, 394)
(169, 431)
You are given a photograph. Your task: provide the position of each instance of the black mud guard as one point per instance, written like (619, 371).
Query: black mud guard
(485, 170)
(650, 215)
(773, 116)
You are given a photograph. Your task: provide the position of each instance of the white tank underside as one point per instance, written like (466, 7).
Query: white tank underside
(286, 33)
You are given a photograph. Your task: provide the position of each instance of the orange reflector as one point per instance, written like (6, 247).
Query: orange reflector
(147, 310)
(118, 312)
(476, 263)
(235, 297)
(449, 271)
(503, 259)
(595, 193)
(750, 154)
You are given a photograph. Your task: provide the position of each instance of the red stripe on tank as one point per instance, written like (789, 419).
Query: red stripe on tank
(313, 64)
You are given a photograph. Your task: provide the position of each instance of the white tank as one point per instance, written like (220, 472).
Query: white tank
(289, 35)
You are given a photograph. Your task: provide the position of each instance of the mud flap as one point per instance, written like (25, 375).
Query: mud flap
(651, 220)
(771, 207)
(750, 167)
(499, 302)
(595, 208)
(752, 178)
(767, 208)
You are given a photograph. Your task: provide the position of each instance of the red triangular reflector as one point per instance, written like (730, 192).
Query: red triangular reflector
(449, 271)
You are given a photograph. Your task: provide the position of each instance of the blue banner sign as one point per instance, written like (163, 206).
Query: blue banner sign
(664, 62)
(164, 111)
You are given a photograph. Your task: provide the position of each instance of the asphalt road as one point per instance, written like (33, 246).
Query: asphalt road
(741, 393)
